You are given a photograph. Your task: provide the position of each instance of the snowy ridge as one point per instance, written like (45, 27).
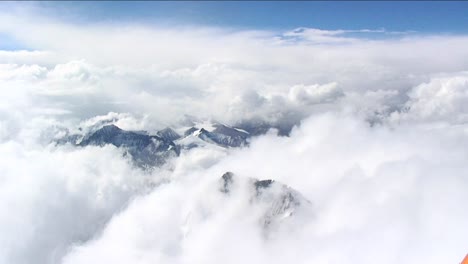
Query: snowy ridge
(154, 150)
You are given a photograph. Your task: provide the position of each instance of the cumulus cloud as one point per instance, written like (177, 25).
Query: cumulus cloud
(379, 195)
(315, 94)
(379, 148)
(191, 70)
(442, 99)
(52, 198)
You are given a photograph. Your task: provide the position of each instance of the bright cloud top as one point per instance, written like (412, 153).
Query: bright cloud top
(379, 145)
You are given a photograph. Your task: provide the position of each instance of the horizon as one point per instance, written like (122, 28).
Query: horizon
(303, 132)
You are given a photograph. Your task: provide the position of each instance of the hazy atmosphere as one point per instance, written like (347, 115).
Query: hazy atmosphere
(235, 132)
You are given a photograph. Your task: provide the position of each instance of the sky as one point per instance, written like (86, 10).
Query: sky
(376, 94)
(398, 16)
(422, 16)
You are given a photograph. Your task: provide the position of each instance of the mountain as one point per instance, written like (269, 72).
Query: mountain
(145, 150)
(259, 127)
(221, 135)
(154, 150)
(229, 136)
(168, 134)
(281, 201)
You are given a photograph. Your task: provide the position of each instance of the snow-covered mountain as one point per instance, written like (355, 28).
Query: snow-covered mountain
(264, 205)
(148, 150)
(280, 202)
(220, 135)
(168, 134)
(145, 150)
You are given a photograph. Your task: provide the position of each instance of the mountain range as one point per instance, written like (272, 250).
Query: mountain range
(153, 150)
(279, 202)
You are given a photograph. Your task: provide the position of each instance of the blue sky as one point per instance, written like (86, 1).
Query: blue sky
(442, 17)
(419, 16)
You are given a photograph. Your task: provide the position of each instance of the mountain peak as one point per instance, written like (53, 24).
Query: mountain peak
(168, 134)
(282, 202)
(145, 150)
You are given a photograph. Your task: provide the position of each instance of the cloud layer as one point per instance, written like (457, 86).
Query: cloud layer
(379, 195)
(379, 149)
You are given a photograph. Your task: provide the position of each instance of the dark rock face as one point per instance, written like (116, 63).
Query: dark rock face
(190, 131)
(228, 136)
(168, 134)
(227, 180)
(112, 134)
(256, 128)
(145, 150)
(262, 184)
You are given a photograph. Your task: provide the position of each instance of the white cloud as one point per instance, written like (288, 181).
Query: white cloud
(315, 94)
(338, 36)
(442, 99)
(52, 198)
(379, 195)
(384, 191)
(28, 57)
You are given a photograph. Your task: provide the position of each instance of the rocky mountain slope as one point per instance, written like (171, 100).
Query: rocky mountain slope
(154, 150)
